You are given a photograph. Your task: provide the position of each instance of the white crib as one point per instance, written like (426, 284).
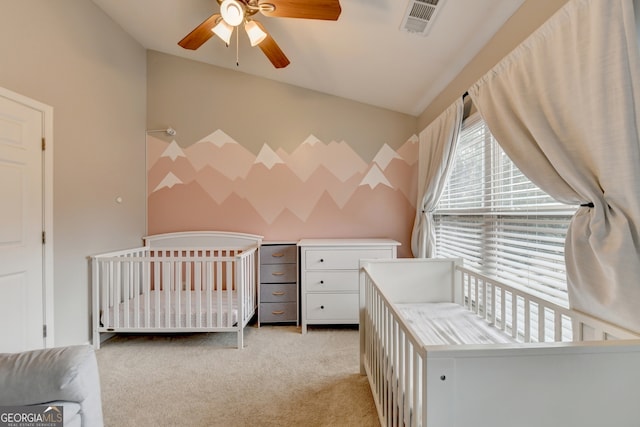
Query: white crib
(178, 282)
(552, 366)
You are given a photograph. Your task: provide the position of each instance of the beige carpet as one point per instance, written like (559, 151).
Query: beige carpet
(280, 378)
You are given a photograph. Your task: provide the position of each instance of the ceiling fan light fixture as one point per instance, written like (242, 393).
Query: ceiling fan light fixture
(223, 30)
(255, 33)
(232, 12)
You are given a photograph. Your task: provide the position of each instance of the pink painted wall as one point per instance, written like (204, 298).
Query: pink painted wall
(319, 189)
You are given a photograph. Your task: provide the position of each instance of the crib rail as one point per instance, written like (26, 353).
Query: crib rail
(174, 290)
(528, 318)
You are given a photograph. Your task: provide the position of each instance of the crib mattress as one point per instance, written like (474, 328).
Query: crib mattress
(204, 315)
(450, 324)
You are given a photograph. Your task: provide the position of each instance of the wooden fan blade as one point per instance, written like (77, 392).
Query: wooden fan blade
(200, 34)
(328, 10)
(272, 51)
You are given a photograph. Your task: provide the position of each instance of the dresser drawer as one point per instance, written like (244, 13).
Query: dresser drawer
(278, 254)
(332, 281)
(278, 292)
(278, 312)
(335, 307)
(341, 259)
(277, 273)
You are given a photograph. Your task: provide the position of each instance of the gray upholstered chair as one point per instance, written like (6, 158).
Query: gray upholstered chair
(66, 376)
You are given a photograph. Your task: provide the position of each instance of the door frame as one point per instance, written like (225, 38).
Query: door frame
(47, 207)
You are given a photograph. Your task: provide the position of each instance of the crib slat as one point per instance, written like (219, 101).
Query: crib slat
(475, 291)
(527, 320)
(514, 315)
(136, 294)
(131, 290)
(466, 291)
(376, 343)
(199, 287)
(493, 304)
(503, 308)
(166, 292)
(218, 291)
(387, 367)
(188, 291)
(406, 378)
(106, 295)
(557, 323)
(177, 288)
(381, 366)
(393, 389)
(484, 300)
(212, 283)
(419, 404)
(541, 324)
(145, 288)
(126, 277)
(385, 360)
(380, 354)
(157, 279)
(376, 352)
(229, 303)
(118, 292)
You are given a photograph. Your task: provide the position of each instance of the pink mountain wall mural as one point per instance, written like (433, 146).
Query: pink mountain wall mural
(318, 190)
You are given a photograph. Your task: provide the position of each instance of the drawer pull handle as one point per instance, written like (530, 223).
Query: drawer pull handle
(278, 294)
(277, 313)
(322, 282)
(278, 254)
(321, 259)
(322, 307)
(277, 273)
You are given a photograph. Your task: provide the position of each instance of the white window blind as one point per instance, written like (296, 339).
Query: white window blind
(498, 221)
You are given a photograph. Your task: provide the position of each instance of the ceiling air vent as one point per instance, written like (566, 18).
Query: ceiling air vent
(420, 15)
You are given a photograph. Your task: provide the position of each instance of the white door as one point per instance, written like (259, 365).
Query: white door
(21, 227)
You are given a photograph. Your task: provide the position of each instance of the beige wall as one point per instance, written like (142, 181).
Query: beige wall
(71, 56)
(527, 19)
(197, 98)
(291, 200)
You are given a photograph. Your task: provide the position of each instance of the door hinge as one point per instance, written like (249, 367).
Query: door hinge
(44, 331)
(44, 144)
(44, 237)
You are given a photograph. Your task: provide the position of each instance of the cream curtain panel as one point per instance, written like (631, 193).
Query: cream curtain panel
(564, 106)
(436, 150)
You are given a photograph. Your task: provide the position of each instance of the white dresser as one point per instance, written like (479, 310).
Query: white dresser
(329, 277)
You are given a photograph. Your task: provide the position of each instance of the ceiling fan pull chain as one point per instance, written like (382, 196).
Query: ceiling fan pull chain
(237, 49)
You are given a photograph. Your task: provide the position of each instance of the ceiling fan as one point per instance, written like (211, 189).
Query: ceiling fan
(234, 13)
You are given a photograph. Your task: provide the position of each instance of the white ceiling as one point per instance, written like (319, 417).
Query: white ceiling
(363, 56)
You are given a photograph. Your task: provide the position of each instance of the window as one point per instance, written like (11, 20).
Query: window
(498, 221)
